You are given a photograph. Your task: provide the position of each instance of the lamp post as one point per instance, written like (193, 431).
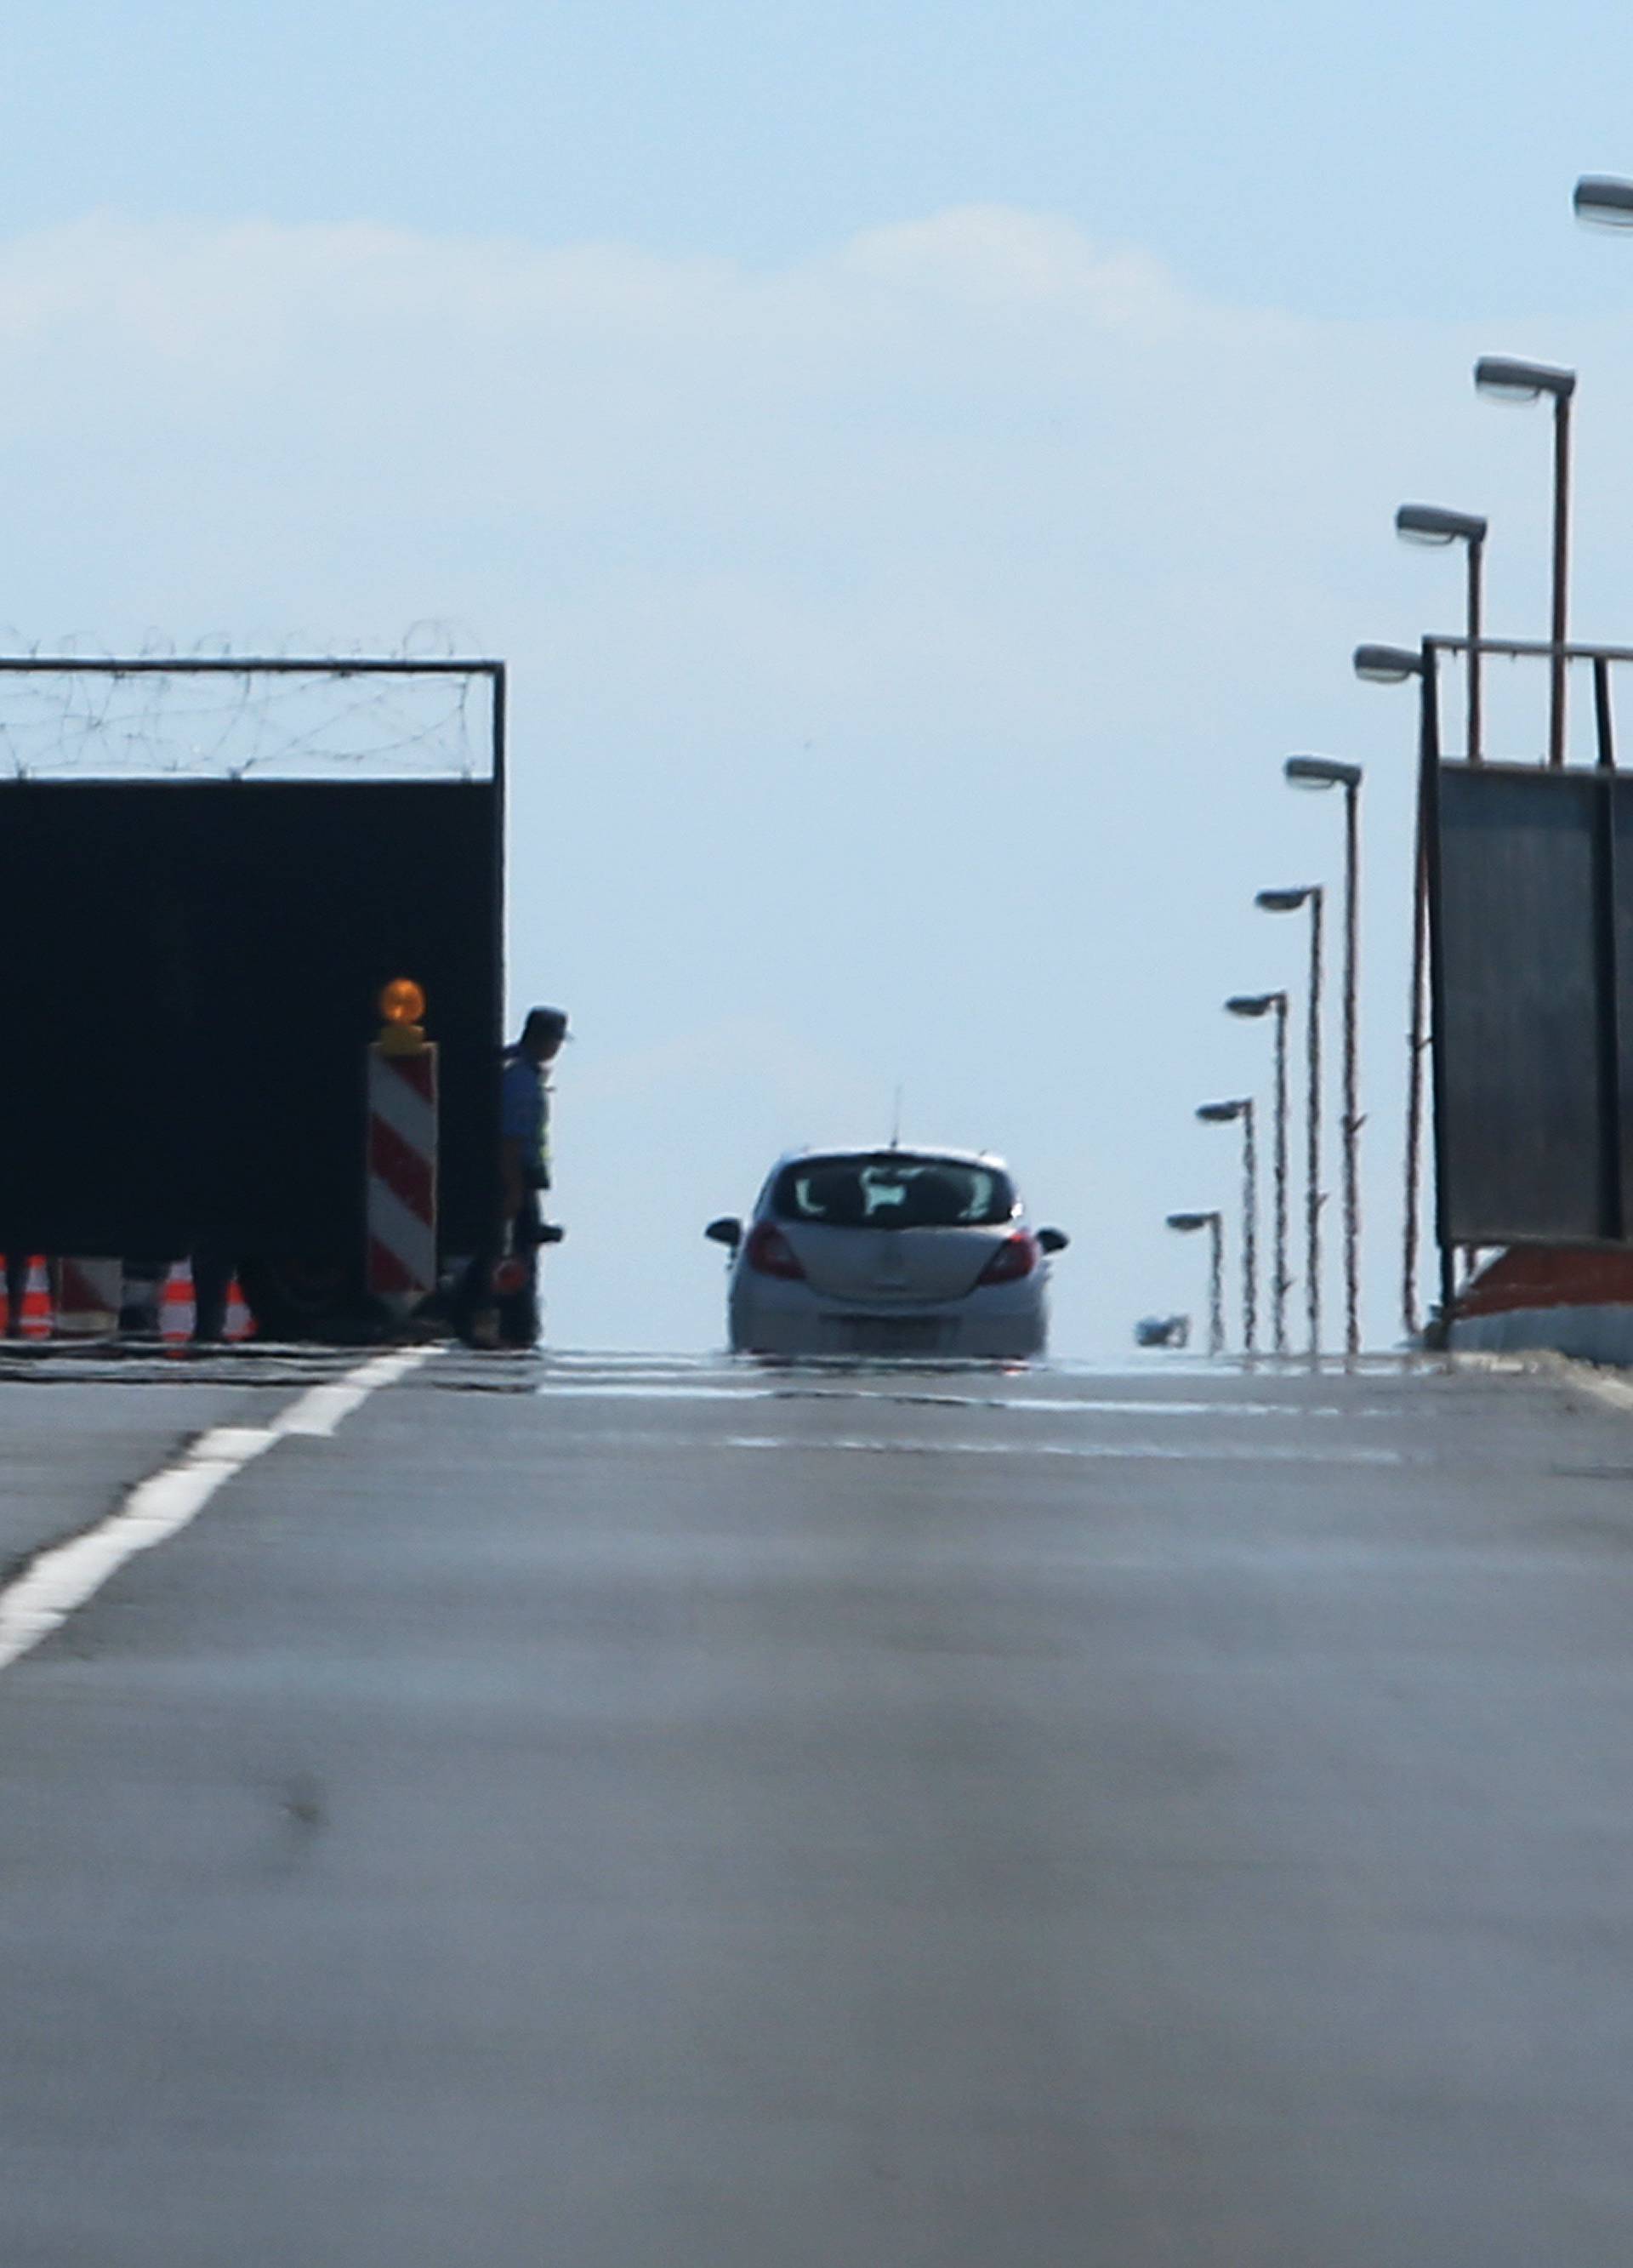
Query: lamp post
(1264, 1004)
(1432, 523)
(1289, 902)
(1224, 1114)
(1188, 1224)
(1325, 772)
(1528, 381)
(1604, 200)
(1389, 665)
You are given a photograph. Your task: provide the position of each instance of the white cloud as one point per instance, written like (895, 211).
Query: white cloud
(993, 257)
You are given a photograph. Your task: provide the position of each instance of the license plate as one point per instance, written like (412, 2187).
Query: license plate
(886, 1334)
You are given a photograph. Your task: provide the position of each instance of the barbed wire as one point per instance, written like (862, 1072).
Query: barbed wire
(72, 717)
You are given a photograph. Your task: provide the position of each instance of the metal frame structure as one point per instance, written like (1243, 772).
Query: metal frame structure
(494, 671)
(486, 742)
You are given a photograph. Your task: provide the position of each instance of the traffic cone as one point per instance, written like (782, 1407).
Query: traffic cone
(36, 1319)
(238, 1324)
(177, 1308)
(6, 1297)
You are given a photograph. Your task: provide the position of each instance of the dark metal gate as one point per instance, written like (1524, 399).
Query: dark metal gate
(193, 960)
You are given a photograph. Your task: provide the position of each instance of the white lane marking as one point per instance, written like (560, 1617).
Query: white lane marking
(557, 1359)
(1237, 1453)
(64, 1576)
(1232, 1452)
(1180, 1409)
(1040, 1405)
(648, 1390)
(320, 1410)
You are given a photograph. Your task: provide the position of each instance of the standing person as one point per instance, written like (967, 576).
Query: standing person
(525, 1167)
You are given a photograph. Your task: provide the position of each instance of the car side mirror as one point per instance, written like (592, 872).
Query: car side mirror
(1053, 1240)
(725, 1231)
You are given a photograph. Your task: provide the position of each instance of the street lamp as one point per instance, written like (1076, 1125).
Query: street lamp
(1528, 381)
(1412, 666)
(1433, 524)
(1188, 1224)
(1388, 665)
(1325, 772)
(1264, 1004)
(1289, 902)
(1604, 200)
(1224, 1114)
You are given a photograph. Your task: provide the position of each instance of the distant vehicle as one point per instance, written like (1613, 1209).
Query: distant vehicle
(888, 1252)
(1163, 1331)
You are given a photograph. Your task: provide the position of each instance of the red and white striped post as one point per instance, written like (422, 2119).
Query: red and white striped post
(402, 1208)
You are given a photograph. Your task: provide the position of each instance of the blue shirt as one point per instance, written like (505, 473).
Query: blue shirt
(525, 1112)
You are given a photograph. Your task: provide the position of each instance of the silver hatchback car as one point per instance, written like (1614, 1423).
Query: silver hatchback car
(916, 1253)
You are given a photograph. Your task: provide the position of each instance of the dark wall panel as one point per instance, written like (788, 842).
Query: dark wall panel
(1518, 1027)
(1621, 939)
(188, 991)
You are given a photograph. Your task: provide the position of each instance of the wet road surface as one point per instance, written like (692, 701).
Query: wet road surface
(648, 1815)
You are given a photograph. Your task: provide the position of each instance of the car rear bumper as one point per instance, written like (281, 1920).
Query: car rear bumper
(778, 1318)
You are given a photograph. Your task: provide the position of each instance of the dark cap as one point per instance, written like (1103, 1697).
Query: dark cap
(550, 1021)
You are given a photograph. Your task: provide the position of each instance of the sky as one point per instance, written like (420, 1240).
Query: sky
(925, 469)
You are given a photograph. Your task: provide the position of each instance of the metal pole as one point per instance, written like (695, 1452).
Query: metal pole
(1415, 1044)
(1417, 1036)
(1611, 1224)
(1313, 1136)
(1216, 1286)
(1352, 1119)
(1282, 1279)
(1429, 808)
(1250, 1233)
(1476, 564)
(1613, 1210)
(1562, 536)
(1604, 722)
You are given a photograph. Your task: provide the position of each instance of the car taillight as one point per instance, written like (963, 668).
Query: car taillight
(1015, 1257)
(769, 1251)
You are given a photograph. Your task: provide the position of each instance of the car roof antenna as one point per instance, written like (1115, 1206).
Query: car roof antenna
(895, 1129)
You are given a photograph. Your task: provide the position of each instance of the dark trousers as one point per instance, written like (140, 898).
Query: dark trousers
(518, 1310)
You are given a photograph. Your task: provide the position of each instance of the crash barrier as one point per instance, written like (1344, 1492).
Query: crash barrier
(402, 1174)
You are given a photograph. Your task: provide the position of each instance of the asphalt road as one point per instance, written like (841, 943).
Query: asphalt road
(651, 1815)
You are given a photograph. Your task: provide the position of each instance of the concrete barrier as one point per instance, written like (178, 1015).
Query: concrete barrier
(1586, 1334)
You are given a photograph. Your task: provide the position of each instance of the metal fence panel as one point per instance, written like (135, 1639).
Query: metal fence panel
(1521, 1126)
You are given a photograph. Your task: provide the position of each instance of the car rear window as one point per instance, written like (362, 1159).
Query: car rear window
(888, 1189)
